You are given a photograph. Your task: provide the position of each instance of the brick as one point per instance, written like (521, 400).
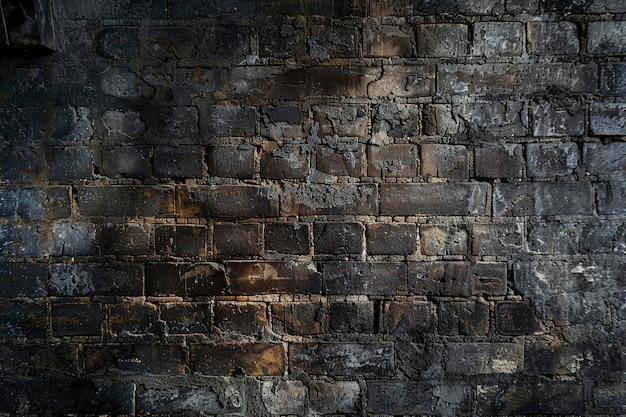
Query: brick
(484, 358)
(488, 278)
(124, 239)
(439, 278)
(58, 395)
(445, 161)
(315, 8)
(298, 318)
(403, 81)
(351, 317)
(551, 159)
(232, 121)
(338, 238)
(181, 240)
(396, 120)
(135, 359)
(472, 8)
(69, 163)
(327, 397)
(442, 119)
(533, 397)
(286, 162)
(392, 161)
(175, 124)
(284, 39)
(76, 319)
(516, 318)
(124, 162)
(35, 203)
(280, 122)
(20, 166)
(287, 238)
(191, 9)
(121, 83)
(611, 397)
(341, 120)
(132, 318)
(366, 360)
(242, 318)
(613, 78)
(553, 38)
(27, 320)
(254, 359)
(252, 278)
(465, 318)
(231, 161)
(606, 38)
(8, 397)
(496, 239)
(391, 239)
(498, 39)
(610, 195)
(542, 199)
(284, 397)
(322, 199)
(200, 279)
(118, 43)
(123, 201)
(443, 240)
(227, 201)
(608, 119)
(382, 8)
(345, 160)
(187, 318)
(72, 239)
(429, 40)
(192, 399)
(433, 199)
(551, 237)
(364, 278)
(387, 41)
(545, 358)
(177, 162)
(559, 119)
(22, 240)
(327, 42)
(119, 397)
(170, 43)
(23, 280)
(87, 279)
(407, 318)
(237, 239)
(92, 9)
(18, 358)
(499, 161)
(226, 44)
(122, 127)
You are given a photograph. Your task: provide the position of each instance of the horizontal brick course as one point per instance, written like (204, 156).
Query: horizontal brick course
(433, 199)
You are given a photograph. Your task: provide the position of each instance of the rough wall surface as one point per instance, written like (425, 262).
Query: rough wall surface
(314, 207)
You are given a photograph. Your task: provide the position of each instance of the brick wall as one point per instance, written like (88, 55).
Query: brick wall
(270, 208)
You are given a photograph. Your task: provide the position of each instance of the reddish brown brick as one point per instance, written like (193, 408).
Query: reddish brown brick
(243, 318)
(343, 161)
(251, 278)
(254, 359)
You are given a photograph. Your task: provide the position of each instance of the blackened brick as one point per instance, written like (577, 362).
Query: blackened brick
(496, 239)
(116, 397)
(364, 278)
(284, 39)
(315, 8)
(69, 163)
(498, 39)
(232, 121)
(22, 240)
(35, 203)
(343, 161)
(550, 160)
(553, 38)
(443, 240)
(201, 279)
(610, 195)
(338, 238)
(334, 397)
(58, 395)
(368, 360)
(121, 83)
(439, 278)
(23, 280)
(8, 397)
(341, 120)
(186, 318)
(392, 161)
(539, 199)
(407, 318)
(608, 118)
(352, 317)
(242, 318)
(171, 43)
(254, 359)
(173, 123)
(177, 162)
(191, 9)
(298, 318)
(118, 43)
(227, 201)
(181, 240)
(488, 278)
(429, 40)
(433, 199)
(396, 120)
(237, 239)
(516, 318)
(76, 319)
(484, 358)
(445, 161)
(604, 159)
(391, 239)
(387, 41)
(125, 201)
(499, 161)
(283, 162)
(466, 318)
(231, 161)
(251, 278)
(606, 38)
(613, 78)
(328, 42)
(559, 119)
(403, 81)
(133, 318)
(288, 238)
(320, 199)
(136, 359)
(17, 358)
(124, 239)
(124, 162)
(30, 320)
(92, 9)
(122, 127)
(84, 279)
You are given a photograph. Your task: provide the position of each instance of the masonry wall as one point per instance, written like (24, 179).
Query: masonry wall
(312, 207)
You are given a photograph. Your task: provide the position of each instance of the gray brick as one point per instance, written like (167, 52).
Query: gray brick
(613, 78)
(606, 38)
(467, 318)
(191, 9)
(443, 240)
(92, 9)
(542, 199)
(351, 278)
(610, 195)
(26, 320)
(391, 239)
(553, 38)
(170, 43)
(396, 120)
(338, 238)
(499, 161)
(22, 240)
(35, 203)
(608, 119)
(120, 82)
(284, 397)
(445, 161)
(387, 41)
(284, 162)
(122, 127)
(174, 123)
(72, 239)
(496, 239)
(368, 360)
(237, 239)
(177, 162)
(227, 201)
(125, 162)
(328, 42)
(124, 239)
(551, 159)
(484, 358)
(123, 201)
(407, 318)
(231, 161)
(495, 39)
(439, 278)
(86, 279)
(392, 161)
(341, 120)
(23, 280)
(232, 121)
(449, 199)
(173, 399)
(69, 163)
(403, 81)
(468, 7)
(604, 159)
(327, 397)
(118, 43)
(315, 8)
(554, 119)
(285, 39)
(320, 199)
(430, 44)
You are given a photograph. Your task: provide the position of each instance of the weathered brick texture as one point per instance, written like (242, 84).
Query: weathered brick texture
(313, 208)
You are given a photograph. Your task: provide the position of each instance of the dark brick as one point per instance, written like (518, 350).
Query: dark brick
(498, 39)
(226, 43)
(443, 240)
(396, 120)
(322, 199)
(201, 279)
(471, 8)
(283, 114)
(170, 43)
(338, 238)
(550, 160)
(136, 359)
(187, 318)
(69, 163)
(124, 239)
(463, 318)
(499, 161)
(553, 38)
(407, 318)
(445, 161)
(242, 318)
(122, 127)
(191, 9)
(351, 317)
(181, 240)
(516, 318)
(72, 239)
(125, 201)
(288, 238)
(366, 360)
(610, 397)
(20, 166)
(488, 278)
(433, 199)
(298, 318)
(118, 43)
(613, 78)
(132, 318)
(559, 119)
(232, 121)
(93, 9)
(429, 40)
(542, 199)
(173, 399)
(343, 161)
(116, 397)
(608, 119)
(121, 83)
(177, 162)
(284, 397)
(333, 42)
(8, 397)
(231, 161)
(392, 161)
(254, 359)
(23, 280)
(387, 41)
(315, 8)
(29, 320)
(496, 239)
(237, 239)
(76, 319)
(391, 239)
(124, 162)
(327, 397)
(227, 201)
(364, 278)
(604, 159)
(341, 120)
(610, 195)
(439, 278)
(252, 278)
(403, 81)
(484, 358)
(545, 358)
(606, 38)
(21, 358)
(283, 162)
(21, 240)
(60, 396)
(86, 279)
(284, 39)
(35, 203)
(173, 123)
